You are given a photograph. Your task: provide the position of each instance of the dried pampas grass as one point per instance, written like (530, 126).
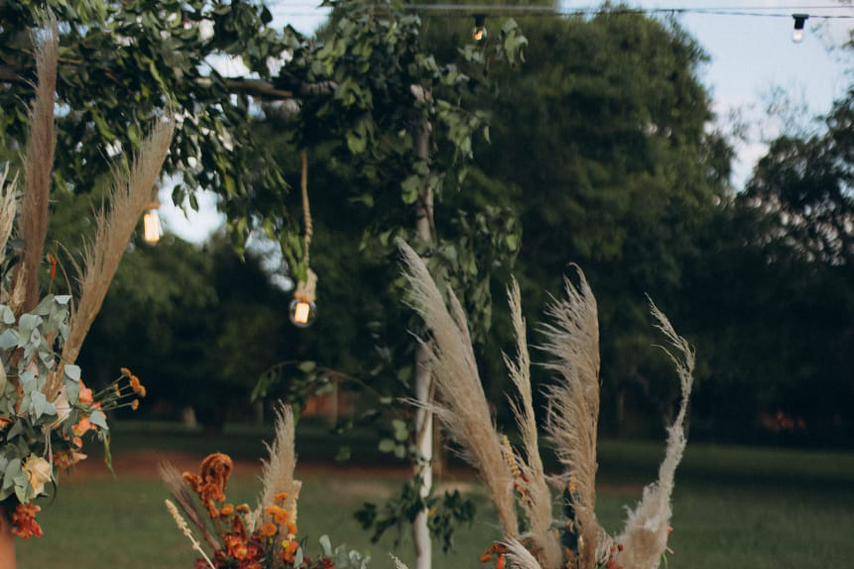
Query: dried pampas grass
(133, 191)
(462, 405)
(38, 167)
(572, 341)
(537, 500)
(8, 208)
(572, 344)
(644, 538)
(518, 556)
(184, 495)
(277, 476)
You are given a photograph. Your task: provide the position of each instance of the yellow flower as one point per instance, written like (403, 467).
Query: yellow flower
(39, 472)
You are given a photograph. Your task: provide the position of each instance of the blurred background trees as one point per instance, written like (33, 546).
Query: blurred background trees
(602, 151)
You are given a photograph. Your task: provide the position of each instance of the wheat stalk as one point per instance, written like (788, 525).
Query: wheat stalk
(644, 539)
(133, 191)
(538, 503)
(572, 341)
(185, 529)
(38, 167)
(462, 405)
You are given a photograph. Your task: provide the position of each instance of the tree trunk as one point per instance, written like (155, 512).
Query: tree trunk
(423, 417)
(8, 560)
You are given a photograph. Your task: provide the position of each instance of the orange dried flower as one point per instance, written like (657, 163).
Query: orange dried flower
(269, 530)
(86, 397)
(137, 386)
(227, 510)
(83, 427)
(24, 524)
(126, 372)
(134, 405)
(289, 552)
(281, 497)
(279, 515)
(211, 481)
(243, 509)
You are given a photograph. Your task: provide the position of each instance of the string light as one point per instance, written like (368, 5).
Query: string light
(302, 312)
(798, 33)
(479, 32)
(152, 229)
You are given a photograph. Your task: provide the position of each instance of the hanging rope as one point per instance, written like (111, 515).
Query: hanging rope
(307, 289)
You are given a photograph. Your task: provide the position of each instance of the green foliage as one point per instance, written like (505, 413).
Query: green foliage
(445, 514)
(124, 64)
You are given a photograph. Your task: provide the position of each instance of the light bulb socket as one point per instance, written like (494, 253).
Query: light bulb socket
(800, 20)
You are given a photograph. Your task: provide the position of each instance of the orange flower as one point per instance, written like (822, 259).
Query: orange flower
(279, 515)
(243, 509)
(269, 530)
(126, 372)
(78, 442)
(66, 459)
(134, 405)
(281, 497)
(211, 481)
(86, 396)
(289, 552)
(137, 386)
(4, 423)
(24, 524)
(236, 547)
(83, 427)
(227, 510)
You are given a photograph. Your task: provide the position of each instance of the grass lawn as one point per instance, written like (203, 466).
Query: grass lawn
(734, 508)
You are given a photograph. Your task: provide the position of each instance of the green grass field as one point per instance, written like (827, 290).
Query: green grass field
(734, 508)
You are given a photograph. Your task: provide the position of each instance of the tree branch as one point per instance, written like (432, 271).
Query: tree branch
(254, 87)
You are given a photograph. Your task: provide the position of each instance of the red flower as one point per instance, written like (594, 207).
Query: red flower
(24, 524)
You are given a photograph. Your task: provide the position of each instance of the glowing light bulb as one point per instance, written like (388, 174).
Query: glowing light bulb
(479, 32)
(798, 32)
(302, 312)
(151, 228)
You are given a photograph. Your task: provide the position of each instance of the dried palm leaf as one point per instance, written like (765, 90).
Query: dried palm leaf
(644, 539)
(462, 405)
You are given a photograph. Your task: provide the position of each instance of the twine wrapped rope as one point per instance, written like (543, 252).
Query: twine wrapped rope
(306, 290)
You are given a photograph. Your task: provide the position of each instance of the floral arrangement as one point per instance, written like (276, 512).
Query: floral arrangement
(515, 478)
(46, 409)
(241, 537)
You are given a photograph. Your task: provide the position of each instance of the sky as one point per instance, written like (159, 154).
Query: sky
(749, 57)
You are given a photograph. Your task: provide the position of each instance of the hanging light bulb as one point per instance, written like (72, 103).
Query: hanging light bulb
(798, 33)
(479, 31)
(152, 230)
(302, 312)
